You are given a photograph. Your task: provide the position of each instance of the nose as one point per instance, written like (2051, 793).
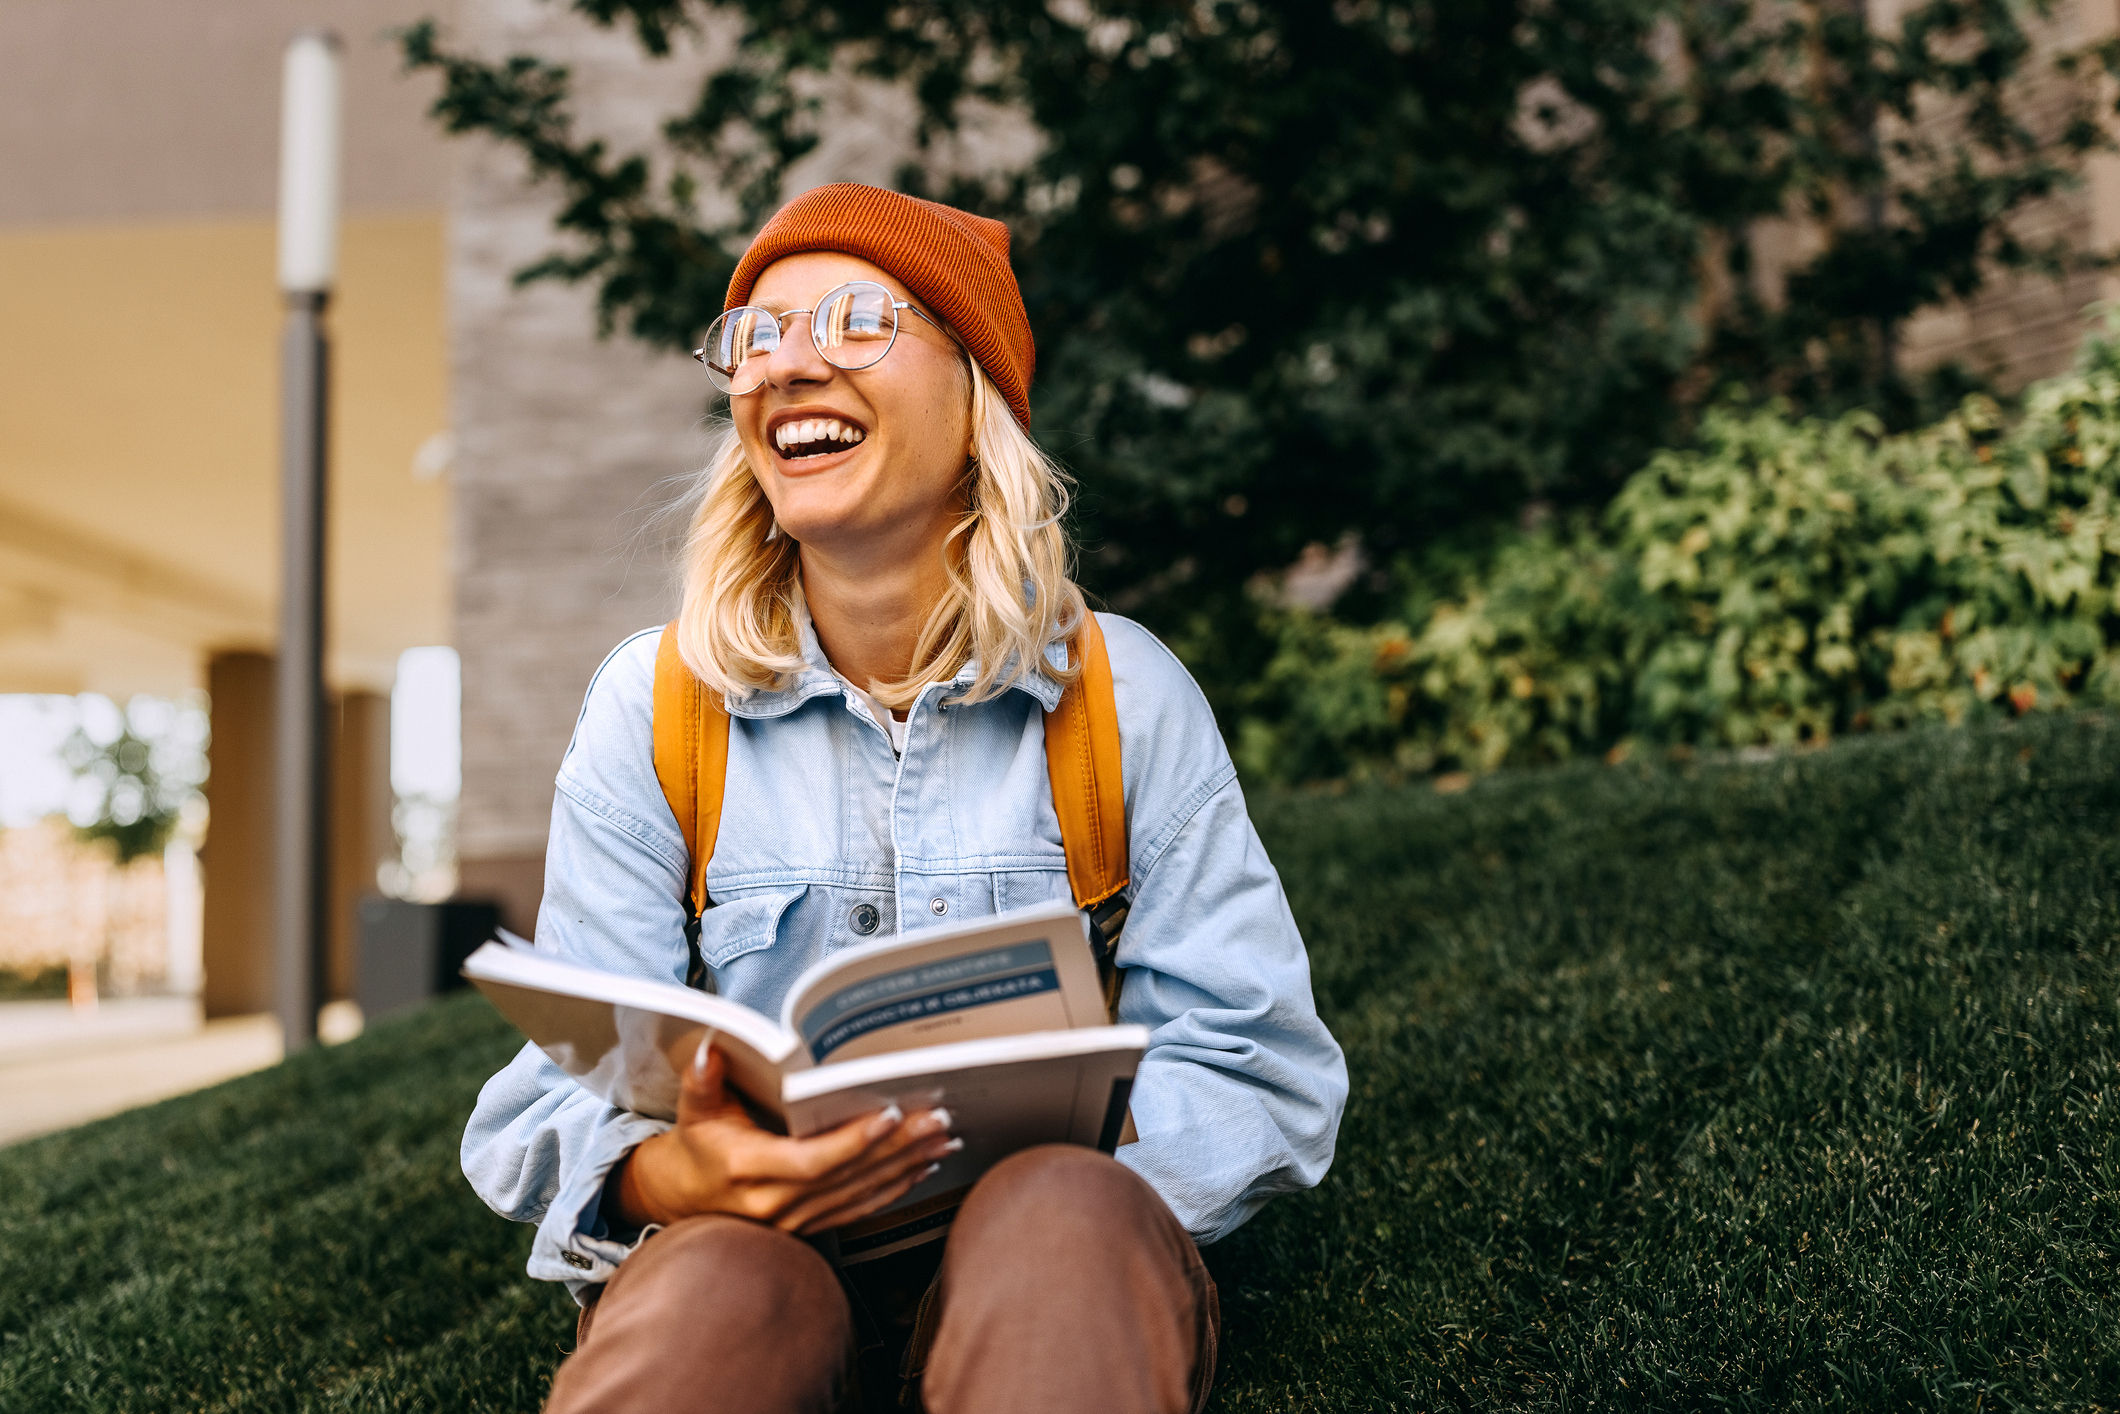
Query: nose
(796, 362)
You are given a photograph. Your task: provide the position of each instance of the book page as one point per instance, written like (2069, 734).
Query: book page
(1005, 1094)
(1026, 970)
(628, 1039)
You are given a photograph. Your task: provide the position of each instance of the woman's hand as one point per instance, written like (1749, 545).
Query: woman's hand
(717, 1160)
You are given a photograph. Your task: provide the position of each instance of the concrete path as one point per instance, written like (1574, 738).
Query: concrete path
(59, 1069)
(46, 1030)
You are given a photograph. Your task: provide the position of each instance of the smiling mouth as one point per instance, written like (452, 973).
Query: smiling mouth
(816, 437)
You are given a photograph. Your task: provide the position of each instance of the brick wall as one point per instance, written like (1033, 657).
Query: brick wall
(563, 441)
(2020, 328)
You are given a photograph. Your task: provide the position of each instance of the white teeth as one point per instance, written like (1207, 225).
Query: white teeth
(790, 435)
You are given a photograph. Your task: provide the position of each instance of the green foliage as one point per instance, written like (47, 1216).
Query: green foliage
(1297, 267)
(1524, 665)
(1780, 1085)
(1783, 581)
(135, 771)
(45, 983)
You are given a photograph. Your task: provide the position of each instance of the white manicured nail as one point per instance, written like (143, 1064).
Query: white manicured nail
(887, 1119)
(699, 1058)
(942, 1119)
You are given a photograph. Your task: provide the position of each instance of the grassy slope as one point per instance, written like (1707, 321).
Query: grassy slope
(1771, 1085)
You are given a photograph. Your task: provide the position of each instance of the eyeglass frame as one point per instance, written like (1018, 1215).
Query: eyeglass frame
(780, 322)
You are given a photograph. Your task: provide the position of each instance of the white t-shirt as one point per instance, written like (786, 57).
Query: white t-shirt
(891, 724)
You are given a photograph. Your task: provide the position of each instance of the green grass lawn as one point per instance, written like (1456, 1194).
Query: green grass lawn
(1769, 1085)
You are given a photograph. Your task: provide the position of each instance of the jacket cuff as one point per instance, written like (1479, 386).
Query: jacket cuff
(573, 1244)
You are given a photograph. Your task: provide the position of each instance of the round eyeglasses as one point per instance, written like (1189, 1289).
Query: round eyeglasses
(853, 327)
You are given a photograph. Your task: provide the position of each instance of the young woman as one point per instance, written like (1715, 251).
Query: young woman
(876, 582)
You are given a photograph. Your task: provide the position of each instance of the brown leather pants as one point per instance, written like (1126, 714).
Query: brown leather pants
(1066, 1285)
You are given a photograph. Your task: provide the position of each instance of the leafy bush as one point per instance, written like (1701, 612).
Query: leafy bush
(1783, 581)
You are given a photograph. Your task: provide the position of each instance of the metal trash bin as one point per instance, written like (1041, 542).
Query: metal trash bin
(410, 952)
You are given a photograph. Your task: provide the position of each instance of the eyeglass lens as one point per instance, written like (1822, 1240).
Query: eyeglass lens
(853, 327)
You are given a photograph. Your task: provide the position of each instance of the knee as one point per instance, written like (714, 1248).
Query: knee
(723, 1262)
(710, 1313)
(1056, 1190)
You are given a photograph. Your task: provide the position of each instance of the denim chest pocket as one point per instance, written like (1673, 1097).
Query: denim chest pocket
(1020, 888)
(743, 925)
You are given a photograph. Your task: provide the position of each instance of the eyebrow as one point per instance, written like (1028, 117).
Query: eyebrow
(781, 306)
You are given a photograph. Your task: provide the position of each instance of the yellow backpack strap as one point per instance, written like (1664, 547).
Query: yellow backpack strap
(692, 764)
(1089, 795)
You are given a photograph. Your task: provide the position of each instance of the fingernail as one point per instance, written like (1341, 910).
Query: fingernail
(699, 1058)
(929, 1172)
(887, 1119)
(940, 1120)
(955, 1146)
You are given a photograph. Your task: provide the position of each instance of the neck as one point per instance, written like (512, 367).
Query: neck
(868, 609)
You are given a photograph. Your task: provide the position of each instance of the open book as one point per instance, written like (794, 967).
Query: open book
(1000, 1020)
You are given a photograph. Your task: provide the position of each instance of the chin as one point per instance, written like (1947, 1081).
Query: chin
(822, 525)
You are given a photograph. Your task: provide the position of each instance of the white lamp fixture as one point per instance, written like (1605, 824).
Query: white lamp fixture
(309, 163)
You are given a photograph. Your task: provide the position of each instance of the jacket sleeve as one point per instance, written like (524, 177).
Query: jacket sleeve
(538, 1147)
(1240, 1094)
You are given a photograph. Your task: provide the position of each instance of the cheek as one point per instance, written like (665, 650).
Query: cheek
(931, 437)
(768, 477)
(946, 424)
(945, 445)
(750, 431)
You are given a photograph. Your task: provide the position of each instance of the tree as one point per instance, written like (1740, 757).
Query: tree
(135, 769)
(1297, 268)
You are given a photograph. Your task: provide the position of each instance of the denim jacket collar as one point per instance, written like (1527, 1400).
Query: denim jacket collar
(817, 678)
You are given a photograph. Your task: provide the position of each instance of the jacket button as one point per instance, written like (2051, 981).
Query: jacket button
(864, 918)
(576, 1260)
(938, 906)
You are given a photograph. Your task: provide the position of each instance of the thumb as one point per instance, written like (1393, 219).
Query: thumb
(701, 1093)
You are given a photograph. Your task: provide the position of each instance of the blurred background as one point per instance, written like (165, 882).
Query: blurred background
(1453, 391)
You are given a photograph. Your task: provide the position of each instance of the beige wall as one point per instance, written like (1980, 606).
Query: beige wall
(138, 415)
(139, 328)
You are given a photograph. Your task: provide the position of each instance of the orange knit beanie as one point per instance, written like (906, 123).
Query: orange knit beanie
(955, 263)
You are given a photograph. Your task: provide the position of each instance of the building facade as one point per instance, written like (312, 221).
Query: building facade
(139, 332)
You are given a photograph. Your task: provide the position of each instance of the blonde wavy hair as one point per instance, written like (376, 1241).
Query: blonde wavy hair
(1007, 559)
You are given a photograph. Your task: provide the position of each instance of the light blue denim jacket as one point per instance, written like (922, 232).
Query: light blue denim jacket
(1240, 1093)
